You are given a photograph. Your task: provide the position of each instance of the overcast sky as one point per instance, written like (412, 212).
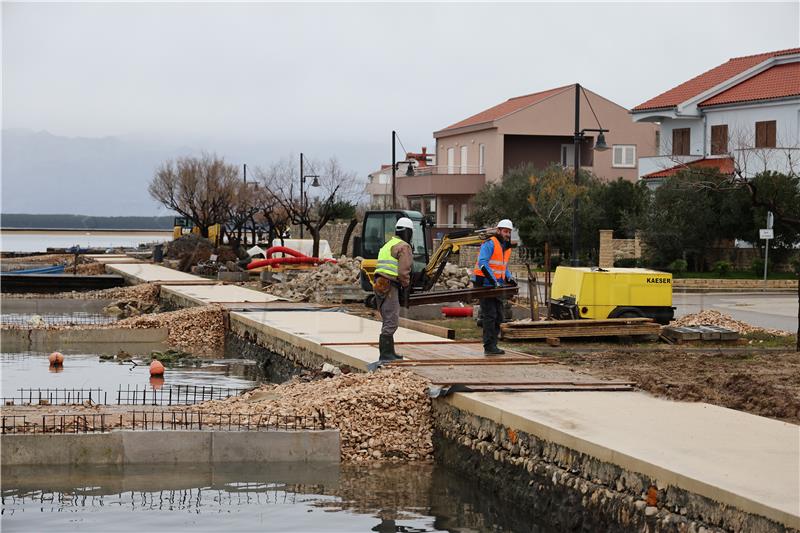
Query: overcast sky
(214, 75)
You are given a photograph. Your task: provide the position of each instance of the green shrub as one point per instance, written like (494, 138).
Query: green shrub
(722, 268)
(757, 267)
(626, 262)
(679, 266)
(555, 260)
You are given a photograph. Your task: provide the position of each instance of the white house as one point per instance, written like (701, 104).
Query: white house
(743, 115)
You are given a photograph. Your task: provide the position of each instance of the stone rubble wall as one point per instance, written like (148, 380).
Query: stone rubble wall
(573, 491)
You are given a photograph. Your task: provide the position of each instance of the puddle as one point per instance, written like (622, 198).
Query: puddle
(81, 370)
(251, 497)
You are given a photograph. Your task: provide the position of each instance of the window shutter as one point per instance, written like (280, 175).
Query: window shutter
(618, 156)
(680, 141)
(771, 134)
(719, 139)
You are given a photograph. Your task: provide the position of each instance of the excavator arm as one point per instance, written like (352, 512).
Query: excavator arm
(450, 245)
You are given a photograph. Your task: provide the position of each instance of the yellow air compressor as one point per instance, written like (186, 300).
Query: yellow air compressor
(598, 293)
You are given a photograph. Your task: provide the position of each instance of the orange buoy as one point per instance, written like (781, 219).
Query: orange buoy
(157, 382)
(156, 368)
(56, 359)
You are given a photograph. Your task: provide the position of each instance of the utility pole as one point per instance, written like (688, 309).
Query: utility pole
(302, 179)
(394, 171)
(577, 159)
(245, 172)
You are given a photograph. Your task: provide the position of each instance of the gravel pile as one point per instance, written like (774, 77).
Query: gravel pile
(710, 317)
(146, 292)
(89, 269)
(311, 286)
(192, 328)
(50, 259)
(382, 416)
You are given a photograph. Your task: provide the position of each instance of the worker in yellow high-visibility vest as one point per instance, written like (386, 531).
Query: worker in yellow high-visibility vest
(392, 272)
(491, 270)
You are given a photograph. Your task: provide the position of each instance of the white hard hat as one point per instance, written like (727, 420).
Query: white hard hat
(402, 223)
(505, 223)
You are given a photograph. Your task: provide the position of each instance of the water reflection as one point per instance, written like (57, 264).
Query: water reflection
(276, 497)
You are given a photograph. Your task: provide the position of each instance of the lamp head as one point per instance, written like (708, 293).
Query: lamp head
(600, 145)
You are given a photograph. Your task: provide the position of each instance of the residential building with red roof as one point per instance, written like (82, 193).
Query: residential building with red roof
(536, 128)
(741, 116)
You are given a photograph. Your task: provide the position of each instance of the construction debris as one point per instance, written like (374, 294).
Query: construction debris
(310, 286)
(89, 269)
(711, 317)
(382, 416)
(329, 281)
(193, 328)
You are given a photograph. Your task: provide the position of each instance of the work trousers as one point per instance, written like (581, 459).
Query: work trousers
(389, 307)
(491, 317)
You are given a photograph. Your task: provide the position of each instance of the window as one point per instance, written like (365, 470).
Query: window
(624, 156)
(464, 214)
(719, 139)
(430, 207)
(765, 134)
(383, 179)
(680, 141)
(482, 158)
(464, 160)
(567, 155)
(415, 203)
(451, 160)
(451, 214)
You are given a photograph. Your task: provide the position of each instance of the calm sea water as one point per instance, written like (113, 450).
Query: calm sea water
(252, 497)
(40, 241)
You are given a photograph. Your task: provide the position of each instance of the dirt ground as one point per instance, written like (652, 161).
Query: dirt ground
(760, 380)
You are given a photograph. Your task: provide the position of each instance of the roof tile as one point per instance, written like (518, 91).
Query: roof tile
(506, 108)
(779, 81)
(723, 164)
(707, 80)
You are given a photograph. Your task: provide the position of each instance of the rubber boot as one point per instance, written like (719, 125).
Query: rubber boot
(386, 347)
(493, 350)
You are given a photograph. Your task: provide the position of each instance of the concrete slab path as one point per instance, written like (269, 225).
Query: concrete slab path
(148, 273)
(218, 294)
(747, 461)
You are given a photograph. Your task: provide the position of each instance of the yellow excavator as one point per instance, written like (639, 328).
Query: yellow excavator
(378, 227)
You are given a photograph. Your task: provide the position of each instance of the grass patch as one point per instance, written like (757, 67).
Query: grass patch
(465, 328)
(761, 339)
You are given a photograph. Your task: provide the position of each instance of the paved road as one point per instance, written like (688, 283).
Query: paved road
(768, 310)
(759, 309)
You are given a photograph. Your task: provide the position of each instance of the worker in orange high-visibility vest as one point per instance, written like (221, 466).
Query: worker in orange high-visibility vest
(491, 270)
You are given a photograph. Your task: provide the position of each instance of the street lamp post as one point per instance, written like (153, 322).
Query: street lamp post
(314, 183)
(600, 146)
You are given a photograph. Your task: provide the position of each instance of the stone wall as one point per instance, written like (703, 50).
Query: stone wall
(612, 249)
(572, 491)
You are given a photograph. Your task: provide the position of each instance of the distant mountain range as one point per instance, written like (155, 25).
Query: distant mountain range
(108, 176)
(23, 220)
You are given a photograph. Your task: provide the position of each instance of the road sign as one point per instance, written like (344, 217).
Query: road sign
(770, 220)
(766, 234)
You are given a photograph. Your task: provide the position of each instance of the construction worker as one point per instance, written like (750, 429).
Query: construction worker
(491, 270)
(393, 273)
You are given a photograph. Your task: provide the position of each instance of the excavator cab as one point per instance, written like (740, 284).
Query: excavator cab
(377, 229)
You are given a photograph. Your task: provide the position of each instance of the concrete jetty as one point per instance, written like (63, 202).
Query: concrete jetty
(653, 459)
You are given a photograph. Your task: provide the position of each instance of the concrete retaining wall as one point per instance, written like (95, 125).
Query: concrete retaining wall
(733, 284)
(170, 447)
(573, 491)
(108, 339)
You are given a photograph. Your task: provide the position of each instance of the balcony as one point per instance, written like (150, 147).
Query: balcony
(444, 179)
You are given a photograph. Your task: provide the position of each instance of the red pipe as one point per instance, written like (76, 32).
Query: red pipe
(288, 261)
(457, 311)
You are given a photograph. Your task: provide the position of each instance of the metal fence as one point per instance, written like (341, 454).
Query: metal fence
(56, 397)
(28, 320)
(160, 420)
(174, 395)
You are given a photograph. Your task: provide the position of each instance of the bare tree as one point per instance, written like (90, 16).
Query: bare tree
(333, 199)
(199, 188)
(246, 202)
